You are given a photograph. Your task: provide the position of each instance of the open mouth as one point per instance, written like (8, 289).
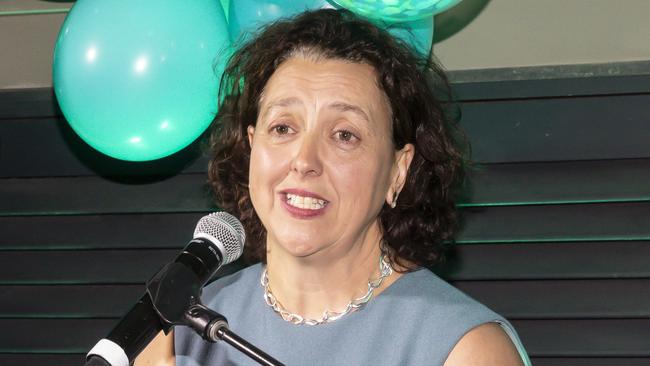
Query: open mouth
(305, 202)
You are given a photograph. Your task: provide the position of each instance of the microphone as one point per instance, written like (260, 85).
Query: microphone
(218, 239)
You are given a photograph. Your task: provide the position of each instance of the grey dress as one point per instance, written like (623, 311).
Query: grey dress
(415, 321)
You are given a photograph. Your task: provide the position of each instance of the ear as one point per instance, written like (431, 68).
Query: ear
(400, 170)
(251, 131)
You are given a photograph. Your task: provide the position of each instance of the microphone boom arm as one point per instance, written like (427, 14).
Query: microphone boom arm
(176, 280)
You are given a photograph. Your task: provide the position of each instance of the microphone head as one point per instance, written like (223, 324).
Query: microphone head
(225, 231)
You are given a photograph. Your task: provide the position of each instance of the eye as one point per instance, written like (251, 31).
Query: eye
(345, 136)
(280, 130)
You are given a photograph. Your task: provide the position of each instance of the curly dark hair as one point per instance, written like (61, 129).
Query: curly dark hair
(418, 91)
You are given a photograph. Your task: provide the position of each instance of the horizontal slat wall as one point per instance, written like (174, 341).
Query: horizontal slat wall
(517, 261)
(572, 298)
(573, 128)
(493, 184)
(125, 266)
(556, 230)
(552, 260)
(31, 358)
(548, 338)
(61, 153)
(489, 224)
(509, 130)
(569, 298)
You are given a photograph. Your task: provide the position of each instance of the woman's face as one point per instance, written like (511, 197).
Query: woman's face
(322, 160)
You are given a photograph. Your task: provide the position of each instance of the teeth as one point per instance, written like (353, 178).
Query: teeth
(309, 203)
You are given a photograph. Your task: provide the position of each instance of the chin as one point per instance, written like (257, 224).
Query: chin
(296, 239)
(299, 250)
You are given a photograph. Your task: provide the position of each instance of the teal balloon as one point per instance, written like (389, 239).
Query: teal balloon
(138, 79)
(245, 17)
(396, 11)
(418, 33)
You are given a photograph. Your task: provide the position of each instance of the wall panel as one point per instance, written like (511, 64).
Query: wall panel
(556, 231)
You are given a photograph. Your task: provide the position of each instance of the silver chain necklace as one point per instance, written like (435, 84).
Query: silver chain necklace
(385, 270)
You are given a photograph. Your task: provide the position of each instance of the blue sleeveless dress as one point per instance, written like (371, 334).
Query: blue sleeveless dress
(415, 321)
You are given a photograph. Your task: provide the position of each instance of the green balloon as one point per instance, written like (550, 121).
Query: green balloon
(138, 79)
(396, 11)
(417, 33)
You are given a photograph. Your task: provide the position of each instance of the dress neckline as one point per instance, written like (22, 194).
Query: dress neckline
(382, 297)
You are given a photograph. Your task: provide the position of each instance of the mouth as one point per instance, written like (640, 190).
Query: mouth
(305, 202)
(302, 203)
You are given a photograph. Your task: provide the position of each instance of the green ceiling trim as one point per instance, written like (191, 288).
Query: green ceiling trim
(553, 202)
(554, 240)
(33, 12)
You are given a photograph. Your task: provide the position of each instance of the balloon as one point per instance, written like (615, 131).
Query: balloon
(418, 33)
(245, 17)
(138, 79)
(397, 10)
(225, 4)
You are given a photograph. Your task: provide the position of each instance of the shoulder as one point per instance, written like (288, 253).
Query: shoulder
(484, 345)
(460, 325)
(436, 306)
(423, 289)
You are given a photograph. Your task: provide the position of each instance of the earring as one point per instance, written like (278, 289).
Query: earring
(394, 203)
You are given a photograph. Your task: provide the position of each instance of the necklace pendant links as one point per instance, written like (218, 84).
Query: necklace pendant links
(385, 270)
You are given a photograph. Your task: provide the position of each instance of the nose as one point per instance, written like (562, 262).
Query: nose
(307, 161)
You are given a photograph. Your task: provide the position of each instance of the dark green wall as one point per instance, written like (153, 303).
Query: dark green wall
(556, 236)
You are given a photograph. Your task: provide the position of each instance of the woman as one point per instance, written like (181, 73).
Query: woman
(334, 149)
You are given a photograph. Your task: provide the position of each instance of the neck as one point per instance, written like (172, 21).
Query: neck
(327, 280)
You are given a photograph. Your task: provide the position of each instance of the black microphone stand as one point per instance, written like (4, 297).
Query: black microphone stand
(209, 324)
(175, 296)
(95, 360)
(213, 327)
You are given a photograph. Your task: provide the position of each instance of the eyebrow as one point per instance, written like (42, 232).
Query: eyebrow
(345, 107)
(339, 106)
(284, 102)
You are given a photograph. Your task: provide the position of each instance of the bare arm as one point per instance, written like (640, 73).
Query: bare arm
(485, 345)
(160, 352)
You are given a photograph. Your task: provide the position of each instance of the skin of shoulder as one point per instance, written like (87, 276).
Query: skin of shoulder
(160, 352)
(486, 345)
